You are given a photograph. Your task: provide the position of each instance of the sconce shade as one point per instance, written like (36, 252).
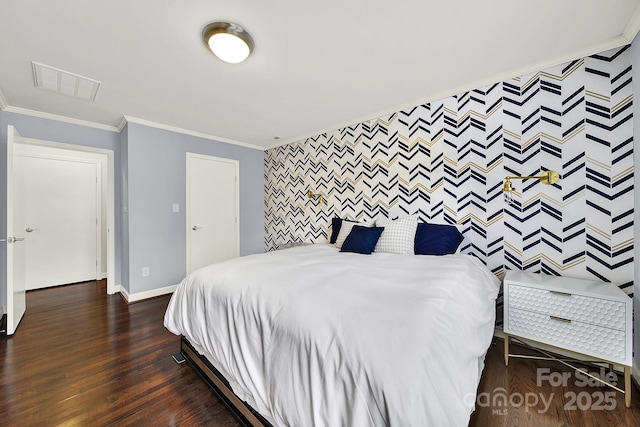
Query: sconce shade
(508, 191)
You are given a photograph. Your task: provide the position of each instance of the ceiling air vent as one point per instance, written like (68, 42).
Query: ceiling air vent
(64, 82)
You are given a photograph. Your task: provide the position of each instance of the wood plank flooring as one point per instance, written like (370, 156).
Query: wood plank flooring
(571, 403)
(81, 357)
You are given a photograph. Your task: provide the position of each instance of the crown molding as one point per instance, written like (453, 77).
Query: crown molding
(122, 124)
(619, 41)
(3, 101)
(64, 119)
(129, 119)
(633, 26)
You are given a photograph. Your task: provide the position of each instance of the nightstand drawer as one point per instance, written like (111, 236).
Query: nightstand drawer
(576, 336)
(595, 311)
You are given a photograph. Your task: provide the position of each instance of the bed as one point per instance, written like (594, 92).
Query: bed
(310, 336)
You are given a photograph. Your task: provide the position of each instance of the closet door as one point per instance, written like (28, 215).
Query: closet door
(212, 210)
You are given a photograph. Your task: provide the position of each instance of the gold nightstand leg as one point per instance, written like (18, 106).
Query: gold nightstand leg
(506, 349)
(627, 386)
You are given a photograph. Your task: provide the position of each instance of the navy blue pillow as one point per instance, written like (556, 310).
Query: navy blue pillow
(362, 239)
(336, 224)
(436, 239)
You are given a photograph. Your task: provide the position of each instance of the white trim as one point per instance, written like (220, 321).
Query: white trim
(188, 132)
(125, 294)
(3, 101)
(633, 26)
(139, 296)
(125, 119)
(3, 310)
(496, 78)
(56, 117)
(99, 197)
(122, 124)
(111, 245)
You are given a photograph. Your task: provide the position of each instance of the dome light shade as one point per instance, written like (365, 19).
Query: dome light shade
(228, 41)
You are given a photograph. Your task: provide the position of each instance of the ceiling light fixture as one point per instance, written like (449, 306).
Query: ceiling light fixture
(228, 41)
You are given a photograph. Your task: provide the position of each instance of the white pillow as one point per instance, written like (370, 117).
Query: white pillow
(398, 236)
(345, 229)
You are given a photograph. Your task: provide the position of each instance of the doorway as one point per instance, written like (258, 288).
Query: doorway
(102, 162)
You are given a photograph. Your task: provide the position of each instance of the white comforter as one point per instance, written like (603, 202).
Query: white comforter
(309, 336)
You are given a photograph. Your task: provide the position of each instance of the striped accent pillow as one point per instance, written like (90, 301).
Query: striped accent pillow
(398, 236)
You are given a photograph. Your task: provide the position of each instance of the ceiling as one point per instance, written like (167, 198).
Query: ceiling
(316, 66)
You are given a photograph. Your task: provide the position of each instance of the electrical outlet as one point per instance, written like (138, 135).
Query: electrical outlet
(145, 271)
(176, 207)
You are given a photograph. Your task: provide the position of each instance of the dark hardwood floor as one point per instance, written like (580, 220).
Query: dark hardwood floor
(81, 357)
(537, 396)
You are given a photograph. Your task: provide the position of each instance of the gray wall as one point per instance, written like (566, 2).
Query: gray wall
(156, 175)
(635, 63)
(150, 175)
(51, 130)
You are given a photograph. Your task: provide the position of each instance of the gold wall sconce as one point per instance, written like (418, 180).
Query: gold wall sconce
(546, 177)
(312, 195)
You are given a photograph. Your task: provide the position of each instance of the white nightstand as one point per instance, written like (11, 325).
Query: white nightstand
(586, 317)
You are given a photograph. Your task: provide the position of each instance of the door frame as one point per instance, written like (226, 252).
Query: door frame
(110, 197)
(236, 163)
(95, 159)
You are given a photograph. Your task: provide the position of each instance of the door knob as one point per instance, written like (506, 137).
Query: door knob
(15, 239)
(195, 227)
(29, 229)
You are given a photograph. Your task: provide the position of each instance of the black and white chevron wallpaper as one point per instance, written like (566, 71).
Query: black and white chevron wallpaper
(447, 160)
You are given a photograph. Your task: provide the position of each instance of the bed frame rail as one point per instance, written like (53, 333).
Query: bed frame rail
(247, 416)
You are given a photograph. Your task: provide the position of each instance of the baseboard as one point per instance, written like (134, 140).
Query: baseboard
(140, 296)
(123, 292)
(635, 373)
(3, 310)
(103, 275)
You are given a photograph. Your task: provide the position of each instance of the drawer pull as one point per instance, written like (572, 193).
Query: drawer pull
(560, 319)
(564, 294)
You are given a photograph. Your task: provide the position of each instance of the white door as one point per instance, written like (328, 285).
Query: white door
(212, 210)
(16, 295)
(62, 218)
